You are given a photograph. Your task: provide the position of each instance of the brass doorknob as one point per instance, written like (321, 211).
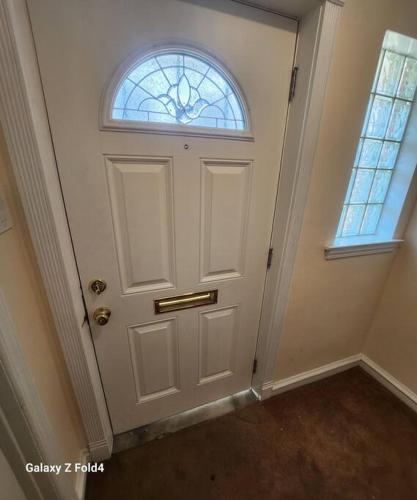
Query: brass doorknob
(101, 315)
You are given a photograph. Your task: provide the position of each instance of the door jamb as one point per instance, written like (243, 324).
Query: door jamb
(24, 121)
(313, 58)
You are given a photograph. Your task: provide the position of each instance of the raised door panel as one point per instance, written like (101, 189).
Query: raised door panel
(217, 343)
(154, 356)
(224, 217)
(142, 208)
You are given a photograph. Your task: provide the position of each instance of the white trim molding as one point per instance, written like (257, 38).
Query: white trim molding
(304, 378)
(81, 479)
(24, 121)
(400, 390)
(342, 252)
(314, 55)
(294, 9)
(26, 434)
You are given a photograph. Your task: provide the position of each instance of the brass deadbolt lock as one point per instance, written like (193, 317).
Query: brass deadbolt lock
(102, 315)
(97, 286)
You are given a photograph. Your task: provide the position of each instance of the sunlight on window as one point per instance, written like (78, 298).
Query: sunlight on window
(179, 88)
(383, 130)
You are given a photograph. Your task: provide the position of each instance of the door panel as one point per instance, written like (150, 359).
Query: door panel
(217, 343)
(225, 193)
(141, 198)
(154, 354)
(160, 215)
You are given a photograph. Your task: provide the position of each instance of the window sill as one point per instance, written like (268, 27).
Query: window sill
(355, 250)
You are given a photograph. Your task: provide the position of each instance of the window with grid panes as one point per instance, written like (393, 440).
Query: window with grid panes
(390, 104)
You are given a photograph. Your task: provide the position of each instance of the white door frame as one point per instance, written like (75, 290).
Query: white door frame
(24, 120)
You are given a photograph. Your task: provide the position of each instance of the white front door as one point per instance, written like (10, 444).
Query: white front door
(169, 188)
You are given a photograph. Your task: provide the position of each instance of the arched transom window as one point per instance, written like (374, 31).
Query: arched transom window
(179, 87)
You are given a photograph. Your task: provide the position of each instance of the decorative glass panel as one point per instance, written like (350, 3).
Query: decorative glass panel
(398, 120)
(370, 153)
(179, 88)
(408, 80)
(371, 219)
(362, 186)
(380, 186)
(379, 117)
(389, 154)
(390, 74)
(385, 122)
(353, 220)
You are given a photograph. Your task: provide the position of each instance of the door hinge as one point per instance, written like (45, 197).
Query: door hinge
(255, 365)
(269, 261)
(293, 83)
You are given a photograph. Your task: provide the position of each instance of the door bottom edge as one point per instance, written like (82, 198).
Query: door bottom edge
(169, 425)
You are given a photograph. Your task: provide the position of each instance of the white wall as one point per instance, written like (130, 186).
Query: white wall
(392, 339)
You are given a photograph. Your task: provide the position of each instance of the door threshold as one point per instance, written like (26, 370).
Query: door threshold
(188, 418)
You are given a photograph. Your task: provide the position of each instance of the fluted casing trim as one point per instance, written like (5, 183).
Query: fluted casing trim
(24, 121)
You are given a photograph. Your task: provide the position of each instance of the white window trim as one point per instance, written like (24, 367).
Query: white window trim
(394, 215)
(358, 249)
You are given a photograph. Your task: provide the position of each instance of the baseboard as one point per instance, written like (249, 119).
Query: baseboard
(391, 383)
(286, 384)
(382, 376)
(101, 450)
(81, 479)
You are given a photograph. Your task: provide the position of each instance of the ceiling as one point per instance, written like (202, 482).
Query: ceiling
(292, 8)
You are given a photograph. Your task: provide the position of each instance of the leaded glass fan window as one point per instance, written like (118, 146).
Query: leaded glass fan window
(179, 87)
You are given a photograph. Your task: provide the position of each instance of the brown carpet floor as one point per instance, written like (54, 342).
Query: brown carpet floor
(345, 437)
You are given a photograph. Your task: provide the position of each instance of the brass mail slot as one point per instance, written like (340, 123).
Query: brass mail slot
(185, 301)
